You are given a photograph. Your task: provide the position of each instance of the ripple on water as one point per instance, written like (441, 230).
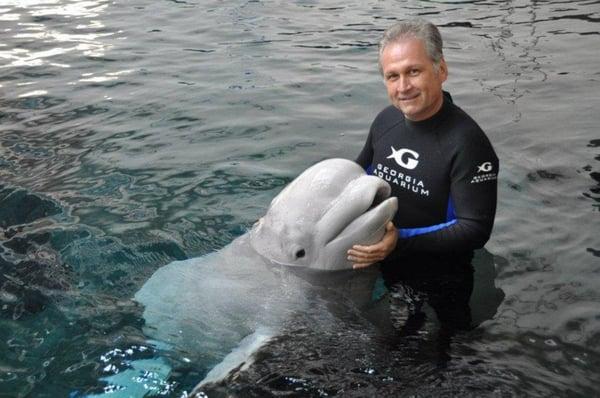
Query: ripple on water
(594, 190)
(119, 162)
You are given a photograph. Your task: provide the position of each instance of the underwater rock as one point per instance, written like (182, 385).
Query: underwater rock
(18, 206)
(30, 270)
(26, 287)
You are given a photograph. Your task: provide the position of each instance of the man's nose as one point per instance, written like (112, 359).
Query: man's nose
(404, 84)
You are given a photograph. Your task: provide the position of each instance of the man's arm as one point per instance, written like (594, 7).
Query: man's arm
(473, 192)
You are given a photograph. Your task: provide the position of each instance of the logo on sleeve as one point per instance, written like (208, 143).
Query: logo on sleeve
(484, 167)
(406, 158)
(484, 173)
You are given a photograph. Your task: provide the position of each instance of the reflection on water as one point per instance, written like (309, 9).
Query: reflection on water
(409, 340)
(42, 34)
(515, 47)
(459, 295)
(595, 175)
(133, 134)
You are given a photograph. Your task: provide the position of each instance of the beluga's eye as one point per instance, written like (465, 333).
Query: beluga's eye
(300, 253)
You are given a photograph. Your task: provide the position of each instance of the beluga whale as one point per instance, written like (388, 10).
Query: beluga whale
(219, 309)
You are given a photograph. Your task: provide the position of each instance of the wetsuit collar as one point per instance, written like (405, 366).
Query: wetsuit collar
(435, 120)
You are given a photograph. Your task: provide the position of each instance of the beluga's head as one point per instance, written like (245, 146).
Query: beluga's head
(330, 207)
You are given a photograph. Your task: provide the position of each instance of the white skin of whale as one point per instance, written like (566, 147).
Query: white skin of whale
(205, 307)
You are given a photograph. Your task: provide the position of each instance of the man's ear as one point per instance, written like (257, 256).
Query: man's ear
(443, 70)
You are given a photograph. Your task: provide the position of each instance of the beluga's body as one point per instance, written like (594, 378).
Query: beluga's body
(220, 308)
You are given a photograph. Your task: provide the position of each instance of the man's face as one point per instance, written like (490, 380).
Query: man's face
(413, 84)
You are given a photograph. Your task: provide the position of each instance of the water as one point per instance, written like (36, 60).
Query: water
(137, 133)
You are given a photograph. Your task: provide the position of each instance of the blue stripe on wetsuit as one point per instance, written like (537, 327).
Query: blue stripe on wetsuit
(450, 220)
(408, 232)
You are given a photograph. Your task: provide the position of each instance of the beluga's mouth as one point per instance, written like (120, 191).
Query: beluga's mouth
(383, 192)
(360, 213)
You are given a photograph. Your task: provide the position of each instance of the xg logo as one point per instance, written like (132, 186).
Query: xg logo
(405, 158)
(485, 167)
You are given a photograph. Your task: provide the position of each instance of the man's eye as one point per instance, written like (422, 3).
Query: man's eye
(391, 78)
(414, 72)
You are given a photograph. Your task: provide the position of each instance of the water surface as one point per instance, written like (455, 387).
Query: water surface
(136, 133)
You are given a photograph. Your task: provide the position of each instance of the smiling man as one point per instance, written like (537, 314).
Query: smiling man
(438, 161)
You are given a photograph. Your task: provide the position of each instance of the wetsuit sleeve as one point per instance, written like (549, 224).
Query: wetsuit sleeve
(473, 194)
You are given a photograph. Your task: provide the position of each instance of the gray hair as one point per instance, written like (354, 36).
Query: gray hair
(419, 29)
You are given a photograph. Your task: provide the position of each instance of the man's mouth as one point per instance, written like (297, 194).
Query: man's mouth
(408, 97)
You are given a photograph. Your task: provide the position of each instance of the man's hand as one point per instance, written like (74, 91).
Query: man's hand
(363, 256)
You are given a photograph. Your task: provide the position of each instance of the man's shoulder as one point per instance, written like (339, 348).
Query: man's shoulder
(462, 123)
(386, 119)
(465, 134)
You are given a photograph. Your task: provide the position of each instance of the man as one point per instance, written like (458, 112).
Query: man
(438, 161)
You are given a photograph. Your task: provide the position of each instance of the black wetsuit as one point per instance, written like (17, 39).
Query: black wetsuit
(443, 171)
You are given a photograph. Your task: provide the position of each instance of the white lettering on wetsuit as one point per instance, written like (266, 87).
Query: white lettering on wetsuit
(402, 180)
(484, 168)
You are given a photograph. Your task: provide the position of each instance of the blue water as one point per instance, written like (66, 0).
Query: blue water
(136, 133)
